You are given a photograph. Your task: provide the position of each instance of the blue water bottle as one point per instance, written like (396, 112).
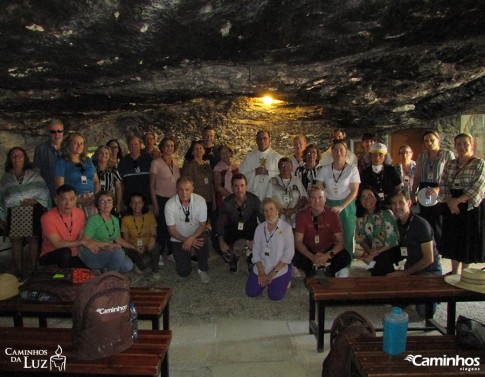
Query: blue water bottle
(395, 331)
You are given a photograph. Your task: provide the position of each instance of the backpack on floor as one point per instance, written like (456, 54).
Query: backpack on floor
(101, 317)
(348, 325)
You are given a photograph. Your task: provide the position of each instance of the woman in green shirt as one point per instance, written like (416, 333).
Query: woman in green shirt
(102, 234)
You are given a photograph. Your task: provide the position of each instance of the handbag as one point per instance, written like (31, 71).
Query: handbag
(470, 333)
(21, 223)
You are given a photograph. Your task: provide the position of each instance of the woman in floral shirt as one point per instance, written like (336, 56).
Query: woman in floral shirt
(377, 234)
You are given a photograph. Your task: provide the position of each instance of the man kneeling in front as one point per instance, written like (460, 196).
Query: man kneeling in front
(186, 217)
(319, 237)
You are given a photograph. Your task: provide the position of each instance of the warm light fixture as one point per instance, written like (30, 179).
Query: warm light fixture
(267, 100)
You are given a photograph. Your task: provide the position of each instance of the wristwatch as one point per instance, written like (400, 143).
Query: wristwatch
(331, 253)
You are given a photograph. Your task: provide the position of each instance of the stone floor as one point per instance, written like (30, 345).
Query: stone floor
(219, 332)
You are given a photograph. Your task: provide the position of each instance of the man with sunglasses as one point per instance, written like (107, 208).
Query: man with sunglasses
(238, 219)
(186, 217)
(319, 237)
(47, 154)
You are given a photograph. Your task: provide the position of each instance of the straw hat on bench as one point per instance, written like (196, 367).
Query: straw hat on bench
(471, 279)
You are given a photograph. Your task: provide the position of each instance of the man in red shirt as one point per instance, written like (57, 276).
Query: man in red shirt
(62, 228)
(319, 237)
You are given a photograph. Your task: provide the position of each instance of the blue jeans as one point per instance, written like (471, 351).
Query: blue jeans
(115, 260)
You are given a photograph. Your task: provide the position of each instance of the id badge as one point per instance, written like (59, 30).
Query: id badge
(240, 225)
(84, 179)
(335, 190)
(172, 179)
(406, 179)
(139, 242)
(266, 251)
(102, 183)
(404, 251)
(317, 239)
(430, 177)
(286, 199)
(381, 195)
(206, 180)
(456, 183)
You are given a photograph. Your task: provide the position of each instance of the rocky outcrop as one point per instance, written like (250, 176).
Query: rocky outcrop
(175, 66)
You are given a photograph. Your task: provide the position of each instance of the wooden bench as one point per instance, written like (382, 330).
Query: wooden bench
(377, 290)
(368, 359)
(146, 357)
(150, 303)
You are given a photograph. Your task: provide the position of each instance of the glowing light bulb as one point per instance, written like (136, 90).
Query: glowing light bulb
(267, 100)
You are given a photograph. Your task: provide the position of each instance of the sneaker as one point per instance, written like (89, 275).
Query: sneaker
(171, 258)
(227, 256)
(343, 273)
(295, 272)
(233, 264)
(137, 270)
(204, 277)
(160, 261)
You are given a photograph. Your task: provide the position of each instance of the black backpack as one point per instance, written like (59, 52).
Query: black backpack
(101, 317)
(52, 284)
(348, 325)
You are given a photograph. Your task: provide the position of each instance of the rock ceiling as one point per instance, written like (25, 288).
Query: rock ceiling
(346, 62)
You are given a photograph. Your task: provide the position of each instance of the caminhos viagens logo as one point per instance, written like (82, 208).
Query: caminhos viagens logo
(464, 364)
(114, 309)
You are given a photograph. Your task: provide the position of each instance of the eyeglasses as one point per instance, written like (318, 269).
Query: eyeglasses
(79, 165)
(286, 165)
(17, 156)
(315, 223)
(106, 202)
(56, 131)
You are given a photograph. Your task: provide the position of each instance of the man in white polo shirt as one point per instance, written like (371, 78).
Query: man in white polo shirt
(186, 217)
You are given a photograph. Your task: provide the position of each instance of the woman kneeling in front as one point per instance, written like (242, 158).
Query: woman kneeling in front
(273, 251)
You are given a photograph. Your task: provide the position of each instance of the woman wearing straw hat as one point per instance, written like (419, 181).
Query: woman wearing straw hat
(462, 188)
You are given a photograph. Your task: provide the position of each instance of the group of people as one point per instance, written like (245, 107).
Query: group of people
(301, 213)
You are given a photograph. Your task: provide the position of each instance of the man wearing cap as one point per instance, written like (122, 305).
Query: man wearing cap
(327, 158)
(416, 242)
(381, 176)
(364, 160)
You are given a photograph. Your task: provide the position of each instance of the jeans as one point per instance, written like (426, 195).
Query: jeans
(183, 263)
(115, 260)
